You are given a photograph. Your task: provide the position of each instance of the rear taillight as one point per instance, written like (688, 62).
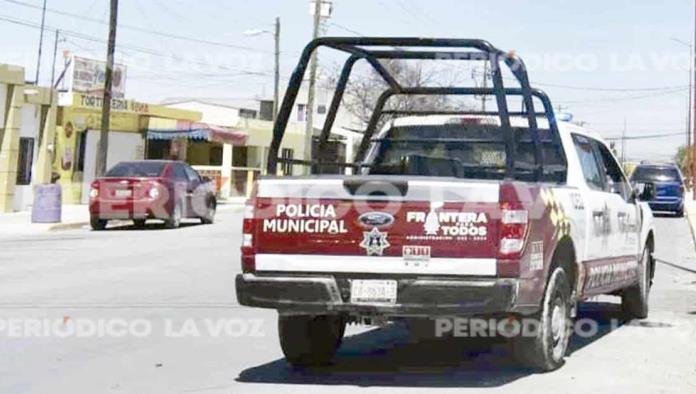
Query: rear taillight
(155, 190)
(248, 224)
(513, 229)
(94, 190)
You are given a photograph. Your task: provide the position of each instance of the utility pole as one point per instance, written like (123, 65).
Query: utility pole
(623, 144)
(106, 102)
(276, 77)
(692, 162)
(55, 53)
(38, 60)
(309, 131)
(484, 97)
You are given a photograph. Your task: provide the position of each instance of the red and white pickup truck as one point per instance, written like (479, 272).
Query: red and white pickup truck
(449, 216)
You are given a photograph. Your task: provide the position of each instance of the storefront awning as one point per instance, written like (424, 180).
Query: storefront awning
(199, 131)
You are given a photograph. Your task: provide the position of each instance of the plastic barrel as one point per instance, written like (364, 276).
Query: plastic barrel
(47, 204)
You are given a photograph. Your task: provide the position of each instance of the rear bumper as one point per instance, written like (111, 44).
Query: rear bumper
(130, 209)
(416, 297)
(672, 205)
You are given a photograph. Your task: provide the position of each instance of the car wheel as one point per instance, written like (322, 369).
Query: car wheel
(547, 347)
(634, 300)
(139, 223)
(679, 213)
(97, 224)
(309, 340)
(174, 219)
(209, 217)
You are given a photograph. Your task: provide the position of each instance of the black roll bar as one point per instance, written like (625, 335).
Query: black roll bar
(372, 49)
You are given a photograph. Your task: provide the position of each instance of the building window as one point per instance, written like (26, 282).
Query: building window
(266, 112)
(215, 155)
(286, 166)
(26, 159)
(247, 113)
(321, 109)
(301, 112)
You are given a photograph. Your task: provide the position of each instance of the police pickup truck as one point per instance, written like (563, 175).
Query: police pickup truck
(446, 214)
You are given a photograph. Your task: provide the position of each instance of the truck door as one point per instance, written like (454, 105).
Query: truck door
(626, 233)
(597, 210)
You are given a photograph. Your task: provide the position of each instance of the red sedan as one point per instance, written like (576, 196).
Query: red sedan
(151, 189)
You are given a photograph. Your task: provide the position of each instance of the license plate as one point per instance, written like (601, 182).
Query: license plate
(373, 291)
(122, 193)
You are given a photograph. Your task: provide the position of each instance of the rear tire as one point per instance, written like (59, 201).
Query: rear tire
(174, 219)
(97, 224)
(209, 217)
(547, 349)
(679, 213)
(309, 340)
(634, 300)
(139, 223)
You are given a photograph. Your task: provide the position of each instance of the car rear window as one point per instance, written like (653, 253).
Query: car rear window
(136, 169)
(655, 174)
(471, 151)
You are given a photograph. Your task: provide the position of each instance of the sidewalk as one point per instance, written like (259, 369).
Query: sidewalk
(690, 213)
(19, 223)
(73, 216)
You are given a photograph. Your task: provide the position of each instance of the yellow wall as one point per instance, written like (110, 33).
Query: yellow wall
(19, 94)
(84, 113)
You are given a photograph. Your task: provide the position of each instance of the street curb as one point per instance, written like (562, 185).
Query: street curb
(234, 208)
(690, 213)
(76, 225)
(67, 226)
(690, 220)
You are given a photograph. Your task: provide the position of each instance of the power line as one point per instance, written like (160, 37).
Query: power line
(626, 98)
(346, 29)
(130, 47)
(641, 89)
(144, 30)
(645, 137)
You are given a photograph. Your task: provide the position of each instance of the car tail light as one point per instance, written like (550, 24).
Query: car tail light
(512, 232)
(94, 190)
(154, 191)
(248, 227)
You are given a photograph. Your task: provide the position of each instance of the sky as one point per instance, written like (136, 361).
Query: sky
(609, 63)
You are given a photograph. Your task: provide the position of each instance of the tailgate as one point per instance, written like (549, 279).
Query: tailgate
(377, 226)
(668, 189)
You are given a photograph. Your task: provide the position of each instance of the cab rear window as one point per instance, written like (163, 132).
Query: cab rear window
(471, 151)
(656, 174)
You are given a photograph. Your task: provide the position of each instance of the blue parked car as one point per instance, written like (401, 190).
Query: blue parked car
(669, 186)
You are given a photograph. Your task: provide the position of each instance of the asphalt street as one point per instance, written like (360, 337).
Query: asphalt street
(157, 313)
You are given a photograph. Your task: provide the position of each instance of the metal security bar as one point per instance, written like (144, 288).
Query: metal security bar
(372, 50)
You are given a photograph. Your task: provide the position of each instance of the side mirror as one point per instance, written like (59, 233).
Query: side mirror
(615, 187)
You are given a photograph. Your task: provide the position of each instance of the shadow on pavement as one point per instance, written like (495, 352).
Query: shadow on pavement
(666, 215)
(129, 226)
(386, 357)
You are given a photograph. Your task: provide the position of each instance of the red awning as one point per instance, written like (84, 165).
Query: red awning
(201, 131)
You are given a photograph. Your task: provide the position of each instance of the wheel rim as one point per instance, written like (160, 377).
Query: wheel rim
(644, 276)
(559, 332)
(176, 215)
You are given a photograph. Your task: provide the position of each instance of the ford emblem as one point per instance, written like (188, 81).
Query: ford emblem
(376, 219)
